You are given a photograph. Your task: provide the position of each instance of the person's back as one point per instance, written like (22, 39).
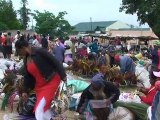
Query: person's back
(127, 64)
(94, 47)
(58, 52)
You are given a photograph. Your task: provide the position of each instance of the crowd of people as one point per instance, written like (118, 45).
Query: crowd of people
(44, 71)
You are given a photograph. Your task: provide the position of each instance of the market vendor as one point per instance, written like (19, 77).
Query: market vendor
(98, 90)
(126, 63)
(149, 93)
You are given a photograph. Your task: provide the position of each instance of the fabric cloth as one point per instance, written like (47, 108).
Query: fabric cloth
(42, 87)
(138, 109)
(148, 98)
(156, 107)
(78, 85)
(157, 85)
(40, 113)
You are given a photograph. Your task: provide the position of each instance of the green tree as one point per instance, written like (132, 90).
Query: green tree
(3, 27)
(8, 16)
(48, 23)
(24, 13)
(146, 10)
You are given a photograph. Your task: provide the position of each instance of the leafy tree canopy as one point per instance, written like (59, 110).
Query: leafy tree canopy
(146, 10)
(24, 13)
(8, 16)
(48, 23)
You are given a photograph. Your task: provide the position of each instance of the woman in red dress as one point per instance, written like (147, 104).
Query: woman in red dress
(43, 73)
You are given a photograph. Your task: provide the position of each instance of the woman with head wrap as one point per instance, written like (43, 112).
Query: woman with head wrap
(99, 90)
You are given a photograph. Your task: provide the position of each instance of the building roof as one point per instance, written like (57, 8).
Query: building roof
(133, 32)
(132, 29)
(91, 26)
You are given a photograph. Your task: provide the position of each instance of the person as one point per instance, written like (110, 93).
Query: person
(35, 42)
(99, 89)
(102, 60)
(79, 46)
(156, 102)
(94, 47)
(58, 51)
(17, 37)
(44, 42)
(154, 58)
(68, 43)
(4, 43)
(149, 93)
(126, 64)
(44, 73)
(9, 46)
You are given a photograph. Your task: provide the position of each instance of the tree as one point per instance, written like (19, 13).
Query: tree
(48, 23)
(8, 16)
(24, 13)
(3, 27)
(146, 10)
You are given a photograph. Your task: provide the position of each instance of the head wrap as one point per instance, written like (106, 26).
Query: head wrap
(98, 79)
(117, 58)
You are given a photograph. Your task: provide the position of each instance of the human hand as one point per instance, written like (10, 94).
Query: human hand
(108, 102)
(140, 89)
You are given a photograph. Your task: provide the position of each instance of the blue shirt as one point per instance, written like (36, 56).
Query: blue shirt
(126, 64)
(58, 52)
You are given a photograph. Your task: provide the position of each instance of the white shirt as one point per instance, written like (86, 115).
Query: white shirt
(81, 45)
(36, 43)
(68, 43)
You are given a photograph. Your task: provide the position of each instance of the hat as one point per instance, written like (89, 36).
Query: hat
(157, 74)
(117, 58)
(98, 79)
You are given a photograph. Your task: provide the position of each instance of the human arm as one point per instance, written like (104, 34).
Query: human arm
(83, 101)
(143, 90)
(147, 100)
(111, 91)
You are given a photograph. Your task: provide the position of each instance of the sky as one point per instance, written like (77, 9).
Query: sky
(83, 10)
